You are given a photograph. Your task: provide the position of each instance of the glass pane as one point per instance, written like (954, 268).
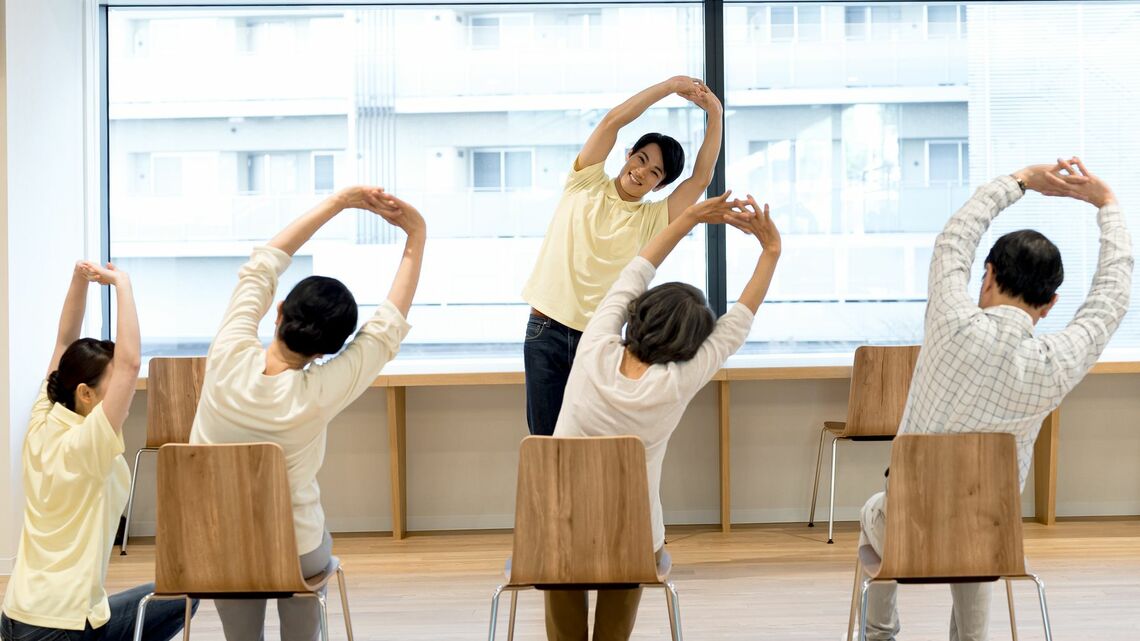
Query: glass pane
(220, 135)
(783, 23)
(809, 23)
(862, 182)
(518, 170)
(855, 19)
(941, 20)
(323, 176)
(487, 170)
(944, 162)
(484, 33)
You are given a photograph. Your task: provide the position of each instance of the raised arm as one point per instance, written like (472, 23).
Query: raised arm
(611, 313)
(955, 247)
(406, 217)
(127, 361)
(694, 186)
(1079, 345)
(761, 226)
(298, 232)
(604, 136)
(71, 318)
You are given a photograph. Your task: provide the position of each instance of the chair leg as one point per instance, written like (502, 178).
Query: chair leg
(494, 612)
(343, 589)
(815, 488)
(863, 609)
(140, 617)
(131, 502)
(511, 621)
(187, 617)
(1044, 608)
(674, 611)
(831, 511)
(324, 616)
(1012, 616)
(854, 596)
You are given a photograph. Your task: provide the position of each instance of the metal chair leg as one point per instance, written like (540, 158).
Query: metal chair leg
(1044, 608)
(863, 609)
(1012, 616)
(324, 616)
(494, 612)
(831, 511)
(854, 595)
(187, 617)
(131, 501)
(343, 589)
(511, 621)
(815, 488)
(140, 616)
(675, 612)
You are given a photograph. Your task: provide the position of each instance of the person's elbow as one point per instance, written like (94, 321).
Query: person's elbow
(128, 364)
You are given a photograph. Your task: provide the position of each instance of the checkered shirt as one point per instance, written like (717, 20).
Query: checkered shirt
(983, 370)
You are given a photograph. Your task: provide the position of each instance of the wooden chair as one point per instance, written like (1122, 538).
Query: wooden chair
(582, 522)
(173, 388)
(880, 382)
(225, 530)
(953, 516)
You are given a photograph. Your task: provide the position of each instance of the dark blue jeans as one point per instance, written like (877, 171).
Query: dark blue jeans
(548, 354)
(163, 621)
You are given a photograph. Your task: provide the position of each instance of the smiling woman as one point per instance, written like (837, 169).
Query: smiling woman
(461, 109)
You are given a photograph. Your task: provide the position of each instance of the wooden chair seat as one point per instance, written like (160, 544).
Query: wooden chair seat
(582, 522)
(953, 516)
(173, 387)
(880, 383)
(225, 529)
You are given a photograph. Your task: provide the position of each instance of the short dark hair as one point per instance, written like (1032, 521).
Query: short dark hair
(1027, 265)
(317, 316)
(83, 362)
(668, 323)
(672, 154)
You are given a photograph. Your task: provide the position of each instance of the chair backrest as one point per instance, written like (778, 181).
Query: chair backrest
(880, 382)
(225, 521)
(953, 508)
(582, 513)
(173, 387)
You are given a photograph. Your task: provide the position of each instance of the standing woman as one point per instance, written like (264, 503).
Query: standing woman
(75, 485)
(277, 394)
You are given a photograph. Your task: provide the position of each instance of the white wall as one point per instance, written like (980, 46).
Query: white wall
(463, 442)
(44, 216)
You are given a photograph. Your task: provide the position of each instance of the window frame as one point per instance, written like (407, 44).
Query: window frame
(502, 152)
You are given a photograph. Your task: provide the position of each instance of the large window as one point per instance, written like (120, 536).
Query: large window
(864, 125)
(865, 142)
(226, 123)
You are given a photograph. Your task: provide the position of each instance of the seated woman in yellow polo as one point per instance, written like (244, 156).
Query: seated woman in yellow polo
(75, 485)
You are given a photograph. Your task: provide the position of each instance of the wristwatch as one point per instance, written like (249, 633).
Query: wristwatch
(1020, 182)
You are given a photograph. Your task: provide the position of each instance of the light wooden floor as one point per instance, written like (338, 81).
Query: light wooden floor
(762, 582)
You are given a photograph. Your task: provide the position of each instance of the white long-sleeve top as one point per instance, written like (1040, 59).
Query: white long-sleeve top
(601, 401)
(983, 370)
(241, 404)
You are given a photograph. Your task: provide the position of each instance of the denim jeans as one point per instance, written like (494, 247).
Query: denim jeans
(548, 354)
(163, 621)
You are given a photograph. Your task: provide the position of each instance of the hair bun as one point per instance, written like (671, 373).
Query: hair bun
(53, 387)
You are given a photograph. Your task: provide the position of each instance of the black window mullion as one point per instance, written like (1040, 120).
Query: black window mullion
(715, 247)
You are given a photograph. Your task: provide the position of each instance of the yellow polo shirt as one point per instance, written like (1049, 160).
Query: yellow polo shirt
(75, 488)
(592, 237)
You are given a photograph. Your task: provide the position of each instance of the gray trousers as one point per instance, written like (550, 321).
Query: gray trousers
(244, 619)
(970, 616)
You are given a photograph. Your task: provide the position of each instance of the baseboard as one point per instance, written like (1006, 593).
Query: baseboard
(461, 522)
(792, 515)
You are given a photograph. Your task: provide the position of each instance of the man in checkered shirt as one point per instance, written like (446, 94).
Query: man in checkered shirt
(981, 368)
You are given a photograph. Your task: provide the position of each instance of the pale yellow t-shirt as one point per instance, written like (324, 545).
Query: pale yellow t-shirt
(75, 488)
(592, 237)
(241, 404)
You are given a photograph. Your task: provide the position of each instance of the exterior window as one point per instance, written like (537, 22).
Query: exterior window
(485, 32)
(502, 170)
(324, 174)
(945, 21)
(948, 162)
